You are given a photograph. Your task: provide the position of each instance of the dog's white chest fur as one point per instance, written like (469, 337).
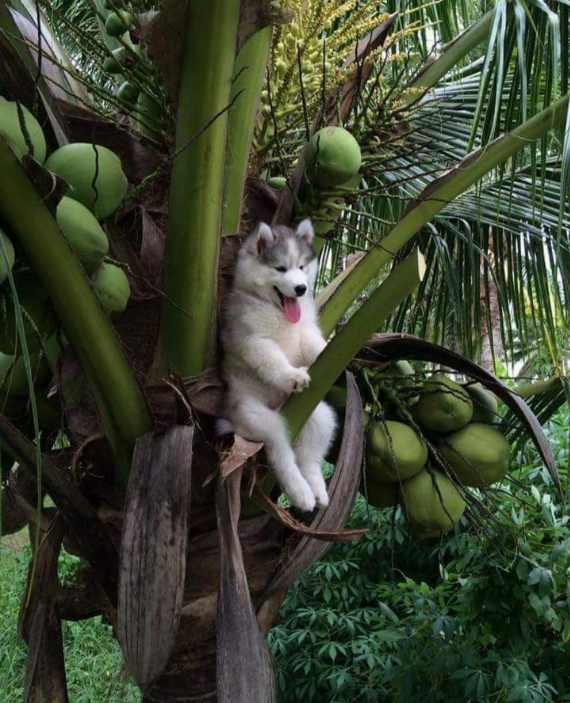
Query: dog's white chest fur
(252, 325)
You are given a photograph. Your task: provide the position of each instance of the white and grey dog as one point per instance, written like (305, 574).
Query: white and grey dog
(270, 336)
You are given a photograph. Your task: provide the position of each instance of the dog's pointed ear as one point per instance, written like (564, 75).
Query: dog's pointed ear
(305, 231)
(261, 236)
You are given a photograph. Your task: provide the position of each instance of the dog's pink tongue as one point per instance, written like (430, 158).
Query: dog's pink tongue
(292, 309)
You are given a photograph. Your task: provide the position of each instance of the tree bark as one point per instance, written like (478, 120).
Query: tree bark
(491, 346)
(190, 674)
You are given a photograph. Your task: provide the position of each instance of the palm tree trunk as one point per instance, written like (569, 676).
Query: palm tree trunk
(491, 316)
(191, 672)
(491, 333)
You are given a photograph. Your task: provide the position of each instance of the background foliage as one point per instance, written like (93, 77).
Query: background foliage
(475, 618)
(478, 617)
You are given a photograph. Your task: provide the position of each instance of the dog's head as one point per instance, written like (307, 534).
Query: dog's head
(280, 264)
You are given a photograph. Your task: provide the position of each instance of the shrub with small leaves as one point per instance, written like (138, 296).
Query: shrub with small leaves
(480, 616)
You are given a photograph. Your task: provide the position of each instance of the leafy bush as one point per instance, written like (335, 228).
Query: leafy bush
(483, 616)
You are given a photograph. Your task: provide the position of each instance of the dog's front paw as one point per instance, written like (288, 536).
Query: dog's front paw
(317, 483)
(299, 379)
(302, 497)
(322, 497)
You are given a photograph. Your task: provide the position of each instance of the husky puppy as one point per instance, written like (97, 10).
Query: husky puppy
(270, 336)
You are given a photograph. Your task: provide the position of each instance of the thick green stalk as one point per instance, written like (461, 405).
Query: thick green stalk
(197, 185)
(249, 76)
(121, 402)
(352, 337)
(432, 200)
(452, 55)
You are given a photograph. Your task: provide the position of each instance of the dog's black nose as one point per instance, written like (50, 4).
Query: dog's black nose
(300, 290)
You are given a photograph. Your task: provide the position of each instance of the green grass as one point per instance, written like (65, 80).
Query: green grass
(92, 657)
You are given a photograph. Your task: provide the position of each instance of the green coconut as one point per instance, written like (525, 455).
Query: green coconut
(396, 369)
(7, 256)
(333, 157)
(52, 349)
(13, 378)
(37, 312)
(400, 373)
(336, 397)
(150, 111)
(128, 93)
(112, 64)
(420, 532)
(485, 405)
(118, 23)
(325, 218)
(478, 453)
(78, 164)
(409, 452)
(11, 130)
(83, 232)
(277, 182)
(424, 507)
(112, 286)
(121, 60)
(379, 495)
(444, 405)
(353, 183)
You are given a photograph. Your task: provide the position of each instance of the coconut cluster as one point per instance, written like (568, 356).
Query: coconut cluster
(97, 187)
(332, 171)
(428, 441)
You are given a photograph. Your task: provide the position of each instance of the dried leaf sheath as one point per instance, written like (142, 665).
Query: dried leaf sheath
(244, 673)
(41, 626)
(153, 551)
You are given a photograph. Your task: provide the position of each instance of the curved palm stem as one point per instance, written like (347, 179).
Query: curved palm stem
(121, 402)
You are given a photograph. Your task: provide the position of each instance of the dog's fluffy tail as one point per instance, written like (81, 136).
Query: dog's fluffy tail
(223, 427)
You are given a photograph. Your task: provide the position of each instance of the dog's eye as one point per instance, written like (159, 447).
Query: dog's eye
(281, 269)
(301, 267)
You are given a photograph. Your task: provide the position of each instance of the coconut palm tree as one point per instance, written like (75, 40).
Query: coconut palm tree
(216, 110)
